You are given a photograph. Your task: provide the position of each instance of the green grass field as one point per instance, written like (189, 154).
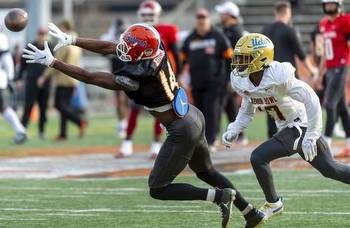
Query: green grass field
(310, 201)
(101, 132)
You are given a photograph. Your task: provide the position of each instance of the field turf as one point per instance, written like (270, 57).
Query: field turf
(310, 201)
(101, 132)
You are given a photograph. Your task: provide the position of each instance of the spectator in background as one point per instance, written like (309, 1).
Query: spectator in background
(65, 86)
(206, 50)
(229, 17)
(30, 73)
(122, 101)
(287, 45)
(335, 29)
(6, 74)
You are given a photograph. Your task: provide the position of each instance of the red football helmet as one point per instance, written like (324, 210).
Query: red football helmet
(138, 42)
(149, 12)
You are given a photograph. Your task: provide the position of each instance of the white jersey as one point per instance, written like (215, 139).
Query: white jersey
(289, 101)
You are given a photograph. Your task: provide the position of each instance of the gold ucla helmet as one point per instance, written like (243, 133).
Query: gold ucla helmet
(253, 52)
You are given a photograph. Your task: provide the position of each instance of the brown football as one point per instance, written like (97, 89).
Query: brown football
(16, 19)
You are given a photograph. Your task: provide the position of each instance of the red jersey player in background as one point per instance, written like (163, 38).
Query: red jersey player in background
(335, 29)
(149, 12)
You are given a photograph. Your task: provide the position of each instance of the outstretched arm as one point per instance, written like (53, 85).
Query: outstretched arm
(101, 79)
(97, 46)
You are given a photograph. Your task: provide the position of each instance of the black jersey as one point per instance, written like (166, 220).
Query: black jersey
(156, 77)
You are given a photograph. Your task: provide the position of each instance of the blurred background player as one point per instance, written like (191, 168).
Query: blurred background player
(7, 72)
(149, 13)
(65, 87)
(29, 74)
(232, 28)
(287, 43)
(122, 101)
(206, 51)
(335, 29)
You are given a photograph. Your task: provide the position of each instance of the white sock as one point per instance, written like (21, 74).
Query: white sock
(211, 195)
(247, 209)
(123, 123)
(328, 140)
(11, 117)
(348, 142)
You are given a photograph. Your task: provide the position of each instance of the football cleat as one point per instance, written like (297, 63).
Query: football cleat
(272, 209)
(126, 149)
(256, 219)
(225, 205)
(20, 138)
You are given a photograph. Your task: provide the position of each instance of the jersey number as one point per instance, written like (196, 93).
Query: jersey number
(329, 49)
(169, 84)
(273, 110)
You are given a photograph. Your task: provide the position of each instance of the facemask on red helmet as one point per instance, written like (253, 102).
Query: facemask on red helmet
(138, 42)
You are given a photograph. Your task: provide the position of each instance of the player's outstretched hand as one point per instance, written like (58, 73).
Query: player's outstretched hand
(35, 55)
(230, 135)
(309, 148)
(63, 39)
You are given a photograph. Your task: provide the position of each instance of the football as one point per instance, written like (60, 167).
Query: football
(16, 19)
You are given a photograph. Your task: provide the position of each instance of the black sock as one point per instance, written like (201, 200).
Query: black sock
(179, 192)
(218, 194)
(250, 214)
(217, 180)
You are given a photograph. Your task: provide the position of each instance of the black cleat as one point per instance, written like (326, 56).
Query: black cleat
(20, 138)
(225, 205)
(256, 219)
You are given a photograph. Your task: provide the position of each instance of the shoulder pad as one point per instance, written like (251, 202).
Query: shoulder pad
(281, 72)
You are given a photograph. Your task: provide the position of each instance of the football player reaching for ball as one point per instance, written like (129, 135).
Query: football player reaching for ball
(269, 85)
(144, 72)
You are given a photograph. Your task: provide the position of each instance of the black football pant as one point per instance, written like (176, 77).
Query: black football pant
(63, 97)
(207, 100)
(186, 145)
(271, 126)
(281, 145)
(35, 94)
(335, 100)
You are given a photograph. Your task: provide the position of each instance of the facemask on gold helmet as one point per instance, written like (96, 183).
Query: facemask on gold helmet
(252, 53)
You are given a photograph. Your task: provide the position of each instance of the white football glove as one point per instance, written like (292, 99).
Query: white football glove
(309, 148)
(35, 55)
(64, 39)
(230, 135)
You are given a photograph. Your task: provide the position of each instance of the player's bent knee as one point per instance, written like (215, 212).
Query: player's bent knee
(255, 158)
(156, 193)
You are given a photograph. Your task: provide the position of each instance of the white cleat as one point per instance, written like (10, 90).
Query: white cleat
(155, 148)
(126, 149)
(272, 209)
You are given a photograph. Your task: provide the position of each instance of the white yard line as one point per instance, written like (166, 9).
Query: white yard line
(108, 210)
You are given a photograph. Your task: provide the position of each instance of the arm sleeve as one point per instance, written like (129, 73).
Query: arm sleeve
(302, 92)
(296, 44)
(245, 115)
(9, 66)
